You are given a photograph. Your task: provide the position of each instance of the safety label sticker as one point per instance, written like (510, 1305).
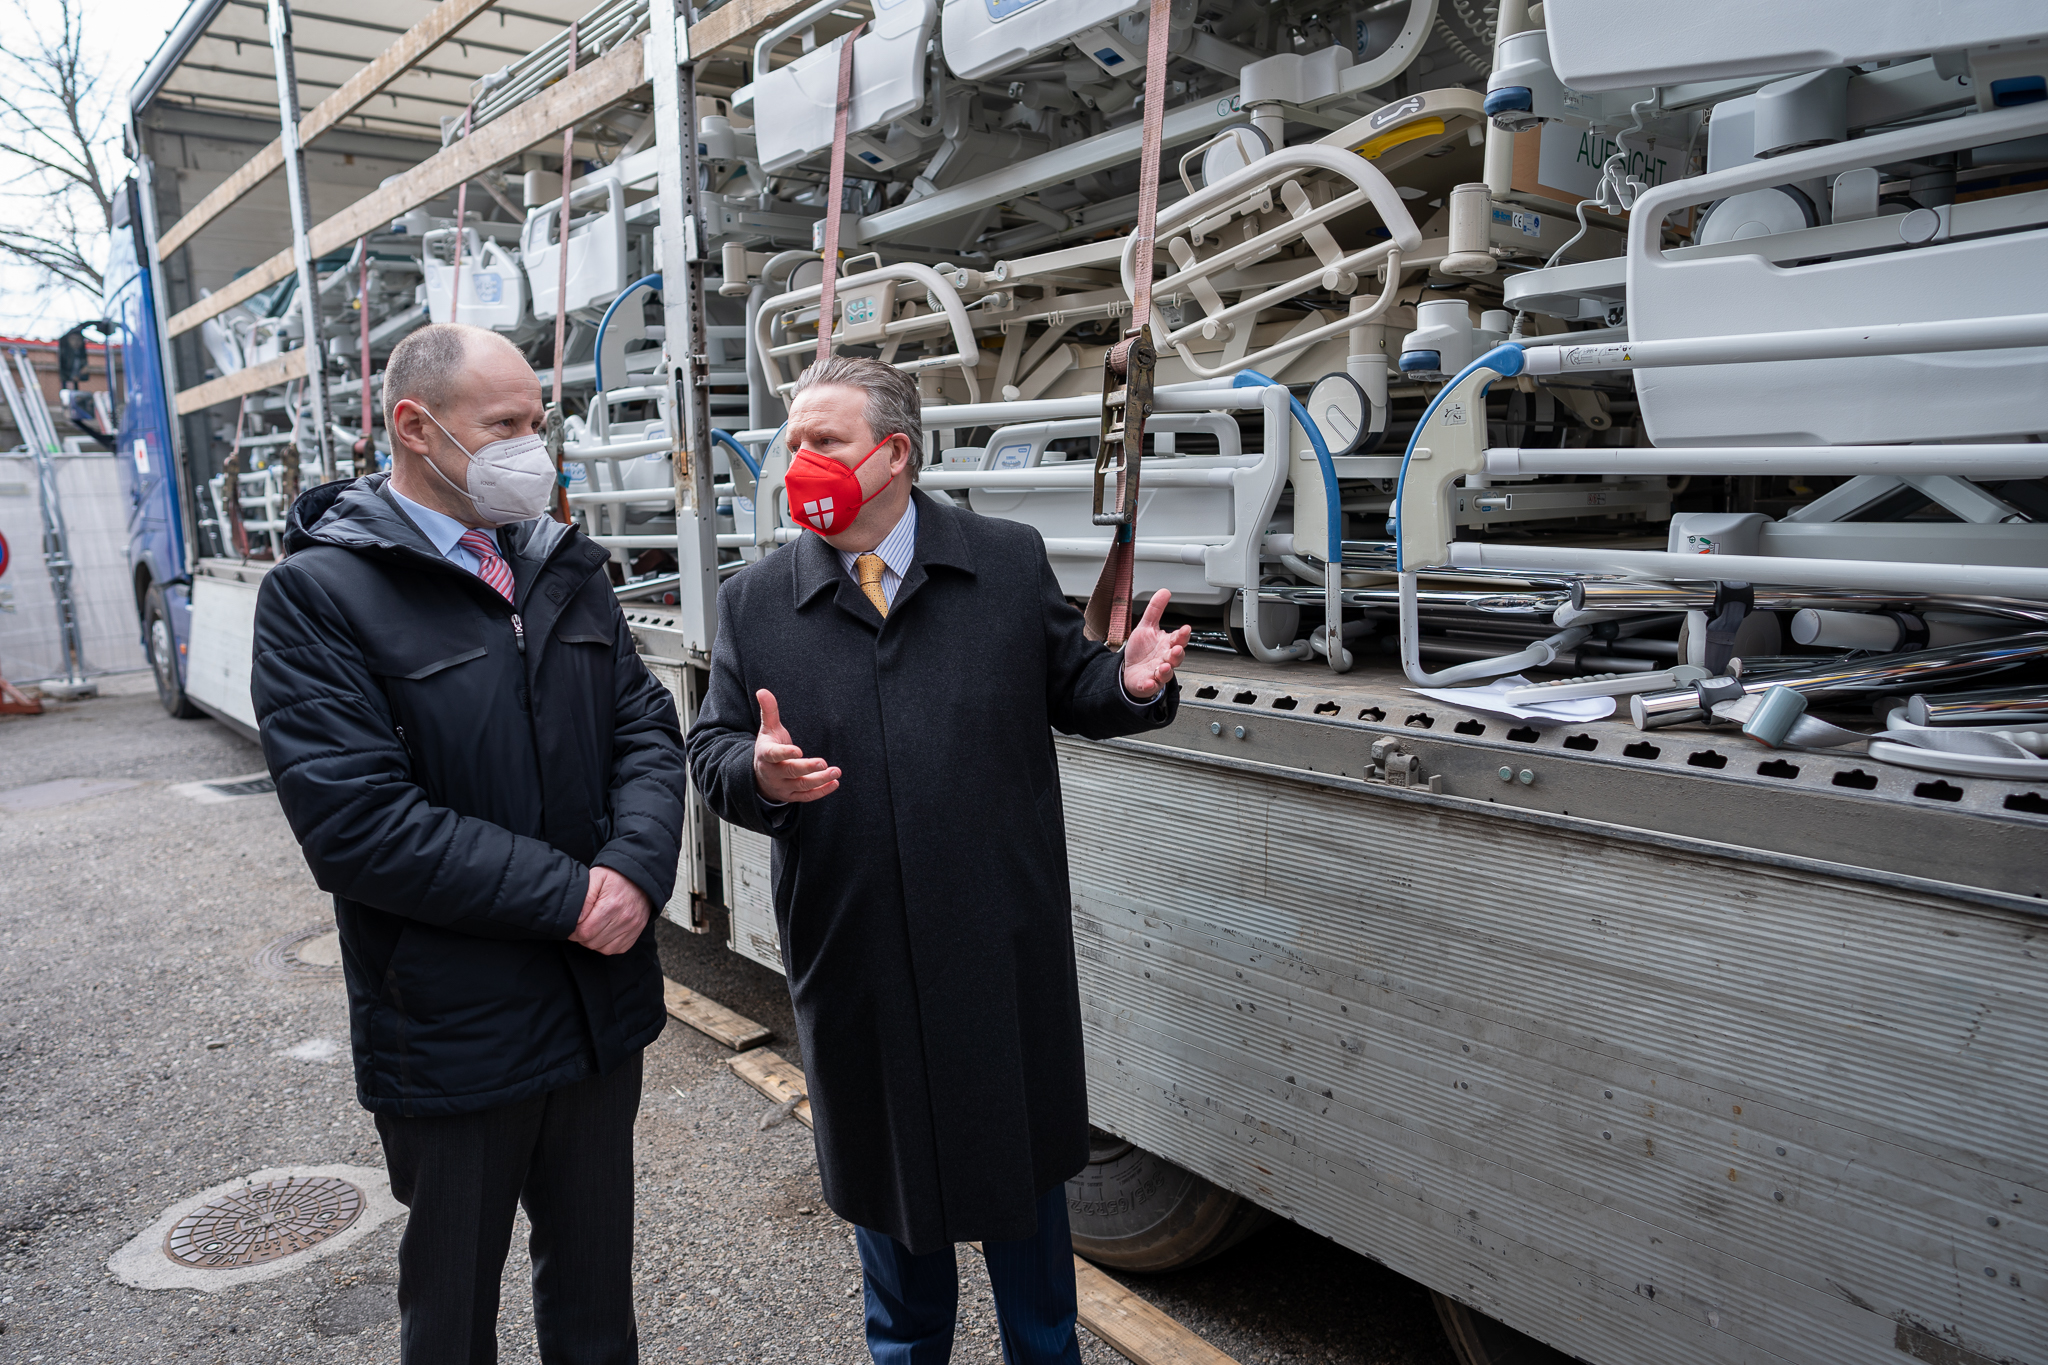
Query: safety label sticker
(1612, 357)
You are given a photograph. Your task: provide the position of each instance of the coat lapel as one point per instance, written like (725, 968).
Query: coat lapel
(815, 564)
(528, 546)
(940, 544)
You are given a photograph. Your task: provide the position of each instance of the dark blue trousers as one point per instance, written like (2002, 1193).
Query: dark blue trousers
(912, 1301)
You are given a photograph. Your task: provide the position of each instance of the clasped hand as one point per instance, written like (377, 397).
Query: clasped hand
(614, 913)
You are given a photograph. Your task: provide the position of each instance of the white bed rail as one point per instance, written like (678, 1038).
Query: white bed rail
(1279, 172)
(966, 353)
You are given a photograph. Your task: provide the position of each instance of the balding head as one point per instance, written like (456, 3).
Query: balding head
(450, 390)
(427, 365)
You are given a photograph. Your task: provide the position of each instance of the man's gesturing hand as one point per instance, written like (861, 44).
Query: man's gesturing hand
(1150, 654)
(781, 772)
(614, 913)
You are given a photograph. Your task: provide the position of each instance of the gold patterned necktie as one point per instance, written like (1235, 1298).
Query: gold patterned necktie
(867, 569)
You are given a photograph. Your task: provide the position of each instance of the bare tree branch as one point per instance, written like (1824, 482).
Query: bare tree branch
(56, 149)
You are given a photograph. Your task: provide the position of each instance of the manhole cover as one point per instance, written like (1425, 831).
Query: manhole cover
(309, 954)
(263, 1222)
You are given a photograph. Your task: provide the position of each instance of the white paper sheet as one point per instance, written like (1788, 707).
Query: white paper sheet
(1492, 699)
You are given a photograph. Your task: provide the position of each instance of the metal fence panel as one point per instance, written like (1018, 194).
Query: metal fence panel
(96, 520)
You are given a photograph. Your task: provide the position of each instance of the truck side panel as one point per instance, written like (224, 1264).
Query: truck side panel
(223, 642)
(1657, 1107)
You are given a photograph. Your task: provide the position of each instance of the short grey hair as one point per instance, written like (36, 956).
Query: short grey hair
(427, 365)
(893, 405)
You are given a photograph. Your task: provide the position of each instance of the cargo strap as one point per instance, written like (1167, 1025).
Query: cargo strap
(461, 217)
(231, 485)
(828, 252)
(1127, 370)
(556, 425)
(365, 451)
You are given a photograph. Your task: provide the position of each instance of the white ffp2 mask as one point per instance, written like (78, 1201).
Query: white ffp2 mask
(510, 480)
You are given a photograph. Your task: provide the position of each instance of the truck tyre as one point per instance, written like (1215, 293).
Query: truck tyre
(161, 645)
(1131, 1210)
(1477, 1339)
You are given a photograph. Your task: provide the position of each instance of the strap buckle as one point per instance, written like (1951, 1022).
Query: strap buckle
(1126, 404)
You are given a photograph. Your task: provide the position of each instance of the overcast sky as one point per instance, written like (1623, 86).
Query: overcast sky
(122, 35)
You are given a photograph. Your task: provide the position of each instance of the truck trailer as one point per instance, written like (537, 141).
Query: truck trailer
(1598, 447)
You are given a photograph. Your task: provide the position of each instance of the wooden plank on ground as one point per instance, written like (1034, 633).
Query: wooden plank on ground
(605, 81)
(289, 366)
(777, 1079)
(1138, 1331)
(712, 1019)
(1132, 1327)
(387, 66)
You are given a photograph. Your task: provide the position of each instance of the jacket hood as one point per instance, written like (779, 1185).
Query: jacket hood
(353, 514)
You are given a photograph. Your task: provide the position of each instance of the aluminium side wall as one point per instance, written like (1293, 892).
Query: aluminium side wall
(1654, 1106)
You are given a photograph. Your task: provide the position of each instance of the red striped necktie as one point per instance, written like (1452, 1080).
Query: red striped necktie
(490, 565)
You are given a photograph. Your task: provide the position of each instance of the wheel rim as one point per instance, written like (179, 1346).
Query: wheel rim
(160, 656)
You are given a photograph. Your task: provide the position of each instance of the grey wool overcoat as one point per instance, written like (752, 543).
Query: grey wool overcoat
(925, 917)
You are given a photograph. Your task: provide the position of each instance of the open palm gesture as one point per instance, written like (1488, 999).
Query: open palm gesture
(1151, 654)
(782, 773)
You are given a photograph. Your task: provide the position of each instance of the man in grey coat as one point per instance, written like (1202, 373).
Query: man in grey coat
(882, 702)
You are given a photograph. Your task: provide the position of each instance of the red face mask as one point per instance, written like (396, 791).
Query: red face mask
(823, 493)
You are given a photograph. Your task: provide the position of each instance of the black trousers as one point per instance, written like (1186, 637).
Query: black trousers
(568, 1157)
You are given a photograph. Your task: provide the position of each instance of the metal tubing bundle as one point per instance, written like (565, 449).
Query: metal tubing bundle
(597, 32)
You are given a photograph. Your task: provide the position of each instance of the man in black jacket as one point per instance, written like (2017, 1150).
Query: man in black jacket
(882, 701)
(480, 769)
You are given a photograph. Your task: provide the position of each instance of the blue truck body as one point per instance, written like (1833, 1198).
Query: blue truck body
(159, 554)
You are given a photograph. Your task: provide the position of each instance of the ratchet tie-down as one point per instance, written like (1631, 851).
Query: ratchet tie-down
(835, 194)
(1127, 374)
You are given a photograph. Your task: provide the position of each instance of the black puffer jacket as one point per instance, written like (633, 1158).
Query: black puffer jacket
(452, 779)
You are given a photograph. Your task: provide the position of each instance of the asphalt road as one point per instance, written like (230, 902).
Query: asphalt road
(145, 1056)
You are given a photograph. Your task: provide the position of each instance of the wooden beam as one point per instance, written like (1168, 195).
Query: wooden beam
(1134, 1328)
(387, 66)
(712, 1019)
(738, 21)
(289, 366)
(605, 81)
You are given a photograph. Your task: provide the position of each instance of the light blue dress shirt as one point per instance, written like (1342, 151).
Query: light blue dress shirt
(897, 549)
(445, 531)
